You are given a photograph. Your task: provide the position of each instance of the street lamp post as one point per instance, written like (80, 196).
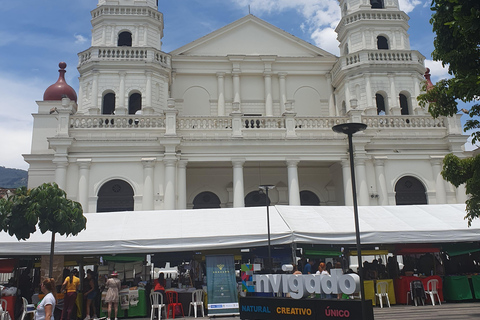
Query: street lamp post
(349, 129)
(265, 188)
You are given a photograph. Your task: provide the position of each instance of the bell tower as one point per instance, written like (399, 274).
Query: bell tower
(124, 71)
(377, 72)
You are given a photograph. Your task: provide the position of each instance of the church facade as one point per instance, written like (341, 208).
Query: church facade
(246, 105)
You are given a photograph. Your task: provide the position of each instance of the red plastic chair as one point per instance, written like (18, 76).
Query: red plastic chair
(172, 298)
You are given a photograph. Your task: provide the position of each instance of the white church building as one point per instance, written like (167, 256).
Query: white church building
(246, 105)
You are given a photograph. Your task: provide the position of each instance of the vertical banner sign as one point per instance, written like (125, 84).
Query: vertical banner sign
(221, 285)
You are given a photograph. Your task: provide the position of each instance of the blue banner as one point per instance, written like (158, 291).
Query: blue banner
(221, 285)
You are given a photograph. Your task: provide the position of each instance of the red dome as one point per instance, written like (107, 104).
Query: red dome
(60, 89)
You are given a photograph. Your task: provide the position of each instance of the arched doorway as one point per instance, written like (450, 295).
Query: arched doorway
(410, 190)
(205, 200)
(308, 198)
(256, 199)
(115, 195)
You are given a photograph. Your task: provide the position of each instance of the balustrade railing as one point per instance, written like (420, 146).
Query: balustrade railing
(124, 54)
(113, 121)
(204, 123)
(248, 123)
(403, 122)
(318, 123)
(263, 122)
(127, 10)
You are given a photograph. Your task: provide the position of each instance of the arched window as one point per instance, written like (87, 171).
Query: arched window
(125, 39)
(377, 4)
(134, 103)
(410, 190)
(345, 49)
(308, 198)
(380, 104)
(108, 103)
(256, 199)
(403, 104)
(382, 43)
(206, 200)
(115, 195)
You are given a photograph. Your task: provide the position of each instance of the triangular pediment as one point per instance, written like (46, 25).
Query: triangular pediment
(250, 36)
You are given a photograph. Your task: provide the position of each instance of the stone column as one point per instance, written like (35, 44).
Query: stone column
(148, 166)
(283, 90)
(347, 182)
(145, 35)
(369, 93)
(148, 108)
(293, 184)
(347, 95)
(170, 170)
(440, 190)
(361, 175)
(112, 37)
(83, 182)
(268, 94)
(135, 40)
(392, 97)
(61, 164)
(182, 184)
(379, 163)
(331, 99)
(94, 98)
(221, 93)
(236, 87)
(238, 187)
(121, 109)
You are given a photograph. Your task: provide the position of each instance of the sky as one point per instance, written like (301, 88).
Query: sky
(35, 35)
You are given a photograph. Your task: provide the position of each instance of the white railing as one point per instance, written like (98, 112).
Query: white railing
(263, 122)
(113, 121)
(403, 122)
(379, 15)
(377, 57)
(119, 10)
(193, 123)
(124, 54)
(307, 123)
(204, 123)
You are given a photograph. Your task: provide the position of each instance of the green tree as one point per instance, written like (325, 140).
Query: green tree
(47, 206)
(456, 24)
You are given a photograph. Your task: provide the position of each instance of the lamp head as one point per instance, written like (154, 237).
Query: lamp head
(349, 128)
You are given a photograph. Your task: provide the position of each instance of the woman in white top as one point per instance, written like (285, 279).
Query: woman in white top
(46, 307)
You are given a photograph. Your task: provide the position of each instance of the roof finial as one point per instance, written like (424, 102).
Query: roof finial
(249, 9)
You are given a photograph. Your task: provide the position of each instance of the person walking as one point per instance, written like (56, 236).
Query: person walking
(90, 293)
(70, 287)
(113, 285)
(46, 307)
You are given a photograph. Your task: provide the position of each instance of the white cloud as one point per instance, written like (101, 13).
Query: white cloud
(79, 39)
(320, 17)
(408, 5)
(437, 70)
(327, 40)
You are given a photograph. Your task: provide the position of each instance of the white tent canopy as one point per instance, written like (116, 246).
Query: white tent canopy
(206, 229)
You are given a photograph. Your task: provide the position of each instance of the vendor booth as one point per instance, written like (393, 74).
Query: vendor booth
(240, 228)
